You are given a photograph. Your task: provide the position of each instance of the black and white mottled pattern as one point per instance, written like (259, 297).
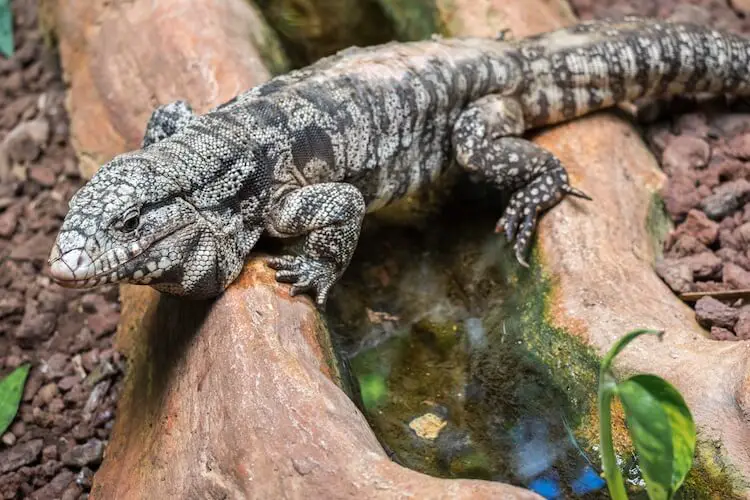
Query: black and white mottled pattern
(310, 152)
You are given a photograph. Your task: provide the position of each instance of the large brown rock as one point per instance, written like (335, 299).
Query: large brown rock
(600, 256)
(236, 399)
(123, 58)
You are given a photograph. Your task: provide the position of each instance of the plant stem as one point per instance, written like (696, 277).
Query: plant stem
(615, 483)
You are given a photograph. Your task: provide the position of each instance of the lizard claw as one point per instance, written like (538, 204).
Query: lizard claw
(522, 213)
(305, 275)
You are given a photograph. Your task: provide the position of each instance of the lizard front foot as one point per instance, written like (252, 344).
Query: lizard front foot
(305, 274)
(521, 215)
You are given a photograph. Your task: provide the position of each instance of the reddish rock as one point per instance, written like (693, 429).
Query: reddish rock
(685, 152)
(683, 244)
(719, 333)
(697, 224)
(676, 274)
(736, 277)
(711, 312)
(9, 220)
(680, 196)
(42, 176)
(704, 265)
(727, 198)
(739, 146)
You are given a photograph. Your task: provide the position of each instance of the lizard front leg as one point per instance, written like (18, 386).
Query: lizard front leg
(486, 144)
(330, 216)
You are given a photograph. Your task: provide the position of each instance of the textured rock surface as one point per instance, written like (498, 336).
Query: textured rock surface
(601, 257)
(122, 58)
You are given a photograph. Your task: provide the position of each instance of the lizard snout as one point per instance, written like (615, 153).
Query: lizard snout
(71, 267)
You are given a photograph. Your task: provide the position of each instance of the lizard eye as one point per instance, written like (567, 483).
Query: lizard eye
(129, 222)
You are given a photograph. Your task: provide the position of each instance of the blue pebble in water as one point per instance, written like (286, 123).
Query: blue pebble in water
(588, 481)
(546, 487)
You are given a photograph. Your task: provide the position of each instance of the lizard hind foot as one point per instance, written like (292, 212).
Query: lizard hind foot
(305, 275)
(520, 218)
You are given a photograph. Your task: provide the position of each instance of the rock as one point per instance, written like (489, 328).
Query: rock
(676, 273)
(89, 453)
(680, 196)
(25, 142)
(8, 439)
(594, 263)
(726, 199)
(11, 304)
(19, 455)
(739, 146)
(48, 392)
(685, 244)
(9, 220)
(42, 176)
(698, 225)
(57, 365)
(710, 312)
(103, 323)
(742, 235)
(719, 333)
(56, 487)
(704, 266)
(428, 426)
(68, 383)
(742, 327)
(736, 277)
(686, 152)
(35, 326)
(34, 249)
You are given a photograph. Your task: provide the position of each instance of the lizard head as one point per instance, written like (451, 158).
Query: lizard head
(129, 223)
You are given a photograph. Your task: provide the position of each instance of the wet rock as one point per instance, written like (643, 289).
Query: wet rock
(726, 199)
(89, 453)
(736, 277)
(686, 152)
(711, 312)
(20, 455)
(428, 426)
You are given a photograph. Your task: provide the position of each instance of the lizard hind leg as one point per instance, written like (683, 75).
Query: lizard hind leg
(486, 144)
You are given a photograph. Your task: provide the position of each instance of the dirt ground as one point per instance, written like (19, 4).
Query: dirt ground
(58, 438)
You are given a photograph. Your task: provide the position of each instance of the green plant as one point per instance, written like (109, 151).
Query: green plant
(658, 420)
(11, 391)
(6, 28)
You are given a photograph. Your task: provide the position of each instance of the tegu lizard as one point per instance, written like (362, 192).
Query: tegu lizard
(309, 153)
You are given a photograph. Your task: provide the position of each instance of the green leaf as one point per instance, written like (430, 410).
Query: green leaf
(6, 28)
(662, 430)
(11, 391)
